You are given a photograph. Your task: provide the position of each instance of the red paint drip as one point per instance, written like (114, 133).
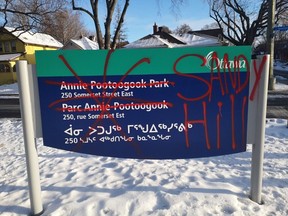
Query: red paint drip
(243, 120)
(241, 87)
(232, 98)
(218, 77)
(219, 115)
(199, 121)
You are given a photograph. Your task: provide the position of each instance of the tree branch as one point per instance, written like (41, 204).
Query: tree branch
(81, 9)
(110, 5)
(119, 26)
(240, 30)
(94, 6)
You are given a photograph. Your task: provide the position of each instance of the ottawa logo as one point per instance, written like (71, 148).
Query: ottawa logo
(212, 60)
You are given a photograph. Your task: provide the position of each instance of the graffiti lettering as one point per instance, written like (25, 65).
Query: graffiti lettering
(155, 104)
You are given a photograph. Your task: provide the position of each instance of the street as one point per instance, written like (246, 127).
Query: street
(9, 108)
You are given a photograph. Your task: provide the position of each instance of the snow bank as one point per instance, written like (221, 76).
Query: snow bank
(9, 89)
(78, 184)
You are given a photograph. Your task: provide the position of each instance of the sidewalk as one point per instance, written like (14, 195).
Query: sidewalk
(277, 103)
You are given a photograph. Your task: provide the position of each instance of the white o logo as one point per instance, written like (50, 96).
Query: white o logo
(209, 58)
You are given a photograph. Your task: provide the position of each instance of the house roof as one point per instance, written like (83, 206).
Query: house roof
(162, 38)
(35, 38)
(170, 37)
(172, 40)
(86, 44)
(9, 57)
(211, 32)
(150, 41)
(199, 40)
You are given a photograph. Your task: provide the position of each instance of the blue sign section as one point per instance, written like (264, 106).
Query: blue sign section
(157, 116)
(281, 28)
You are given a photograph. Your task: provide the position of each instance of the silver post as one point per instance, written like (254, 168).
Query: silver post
(258, 144)
(29, 138)
(270, 41)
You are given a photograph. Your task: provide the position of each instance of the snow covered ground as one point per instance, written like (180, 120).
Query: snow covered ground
(282, 66)
(77, 184)
(10, 89)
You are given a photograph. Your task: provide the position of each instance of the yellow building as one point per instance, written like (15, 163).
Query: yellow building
(19, 45)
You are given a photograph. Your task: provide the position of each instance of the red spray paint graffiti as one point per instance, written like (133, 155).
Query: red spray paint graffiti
(223, 78)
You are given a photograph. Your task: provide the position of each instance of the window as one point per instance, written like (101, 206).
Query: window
(4, 68)
(13, 46)
(1, 47)
(7, 46)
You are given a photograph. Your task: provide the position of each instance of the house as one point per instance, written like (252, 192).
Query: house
(20, 45)
(161, 38)
(83, 43)
(280, 49)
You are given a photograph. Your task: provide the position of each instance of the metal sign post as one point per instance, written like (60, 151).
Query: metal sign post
(259, 104)
(72, 87)
(29, 138)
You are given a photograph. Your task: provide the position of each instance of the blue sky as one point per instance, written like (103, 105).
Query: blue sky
(142, 14)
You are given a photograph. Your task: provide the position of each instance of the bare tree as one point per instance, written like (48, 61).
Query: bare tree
(182, 29)
(242, 23)
(210, 26)
(45, 16)
(175, 6)
(164, 28)
(122, 36)
(283, 21)
(63, 25)
(93, 12)
(30, 13)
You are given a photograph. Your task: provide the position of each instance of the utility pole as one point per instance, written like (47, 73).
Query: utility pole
(270, 41)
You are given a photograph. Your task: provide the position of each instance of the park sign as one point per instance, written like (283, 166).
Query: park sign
(145, 103)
